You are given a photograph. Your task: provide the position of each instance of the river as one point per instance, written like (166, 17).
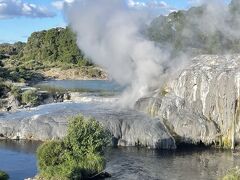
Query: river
(97, 86)
(18, 158)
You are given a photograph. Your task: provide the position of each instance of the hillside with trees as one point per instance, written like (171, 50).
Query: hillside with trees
(52, 53)
(188, 31)
(51, 48)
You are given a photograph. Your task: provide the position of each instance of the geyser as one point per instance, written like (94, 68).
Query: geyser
(111, 34)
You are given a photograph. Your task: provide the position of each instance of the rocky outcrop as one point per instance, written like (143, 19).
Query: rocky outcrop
(45, 97)
(202, 104)
(128, 127)
(12, 103)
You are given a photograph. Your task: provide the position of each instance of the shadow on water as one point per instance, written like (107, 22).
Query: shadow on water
(28, 147)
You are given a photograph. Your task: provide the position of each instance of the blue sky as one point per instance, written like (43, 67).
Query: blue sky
(19, 18)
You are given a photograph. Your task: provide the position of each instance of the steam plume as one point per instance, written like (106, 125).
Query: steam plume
(111, 34)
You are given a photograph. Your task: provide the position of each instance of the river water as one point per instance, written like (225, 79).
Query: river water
(18, 158)
(81, 86)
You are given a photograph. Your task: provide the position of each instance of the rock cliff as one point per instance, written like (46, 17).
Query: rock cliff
(202, 104)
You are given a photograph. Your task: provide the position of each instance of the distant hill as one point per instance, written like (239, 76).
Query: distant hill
(51, 48)
(50, 53)
(184, 31)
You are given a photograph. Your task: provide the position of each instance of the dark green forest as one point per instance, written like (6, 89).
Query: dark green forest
(45, 49)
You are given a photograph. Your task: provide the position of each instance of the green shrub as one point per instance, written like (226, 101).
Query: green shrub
(233, 174)
(3, 175)
(50, 158)
(79, 155)
(93, 72)
(30, 97)
(16, 92)
(85, 135)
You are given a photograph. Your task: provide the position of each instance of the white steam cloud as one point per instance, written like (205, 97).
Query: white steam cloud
(109, 32)
(216, 18)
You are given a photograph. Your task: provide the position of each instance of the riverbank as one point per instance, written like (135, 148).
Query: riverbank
(83, 73)
(14, 82)
(16, 96)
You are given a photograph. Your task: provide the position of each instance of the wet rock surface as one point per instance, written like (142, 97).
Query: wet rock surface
(128, 127)
(202, 103)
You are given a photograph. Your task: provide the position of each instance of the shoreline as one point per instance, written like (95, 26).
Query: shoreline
(75, 73)
(32, 85)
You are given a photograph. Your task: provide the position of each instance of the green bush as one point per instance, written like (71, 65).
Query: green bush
(94, 72)
(50, 158)
(16, 92)
(3, 175)
(30, 97)
(79, 155)
(233, 174)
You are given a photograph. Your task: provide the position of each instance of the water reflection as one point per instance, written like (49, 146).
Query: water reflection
(80, 85)
(28, 147)
(18, 159)
(133, 163)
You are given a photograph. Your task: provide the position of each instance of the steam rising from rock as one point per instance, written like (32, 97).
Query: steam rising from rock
(110, 33)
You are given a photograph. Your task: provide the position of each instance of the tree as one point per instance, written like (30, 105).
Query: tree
(54, 47)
